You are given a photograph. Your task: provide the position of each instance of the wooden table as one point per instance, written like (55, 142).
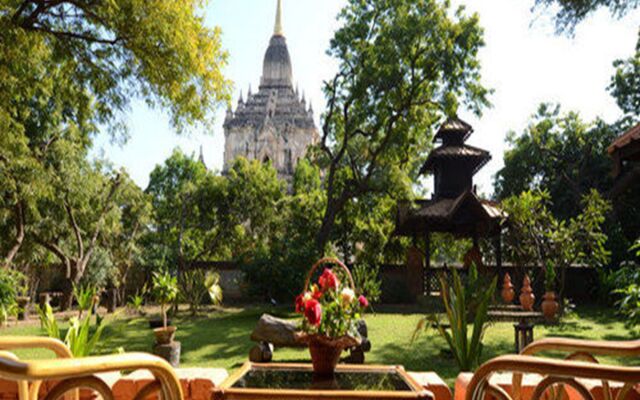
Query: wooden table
(524, 323)
(297, 382)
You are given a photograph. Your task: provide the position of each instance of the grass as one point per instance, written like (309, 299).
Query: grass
(220, 338)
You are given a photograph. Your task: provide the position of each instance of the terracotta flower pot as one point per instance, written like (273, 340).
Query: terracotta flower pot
(527, 298)
(508, 293)
(165, 335)
(550, 306)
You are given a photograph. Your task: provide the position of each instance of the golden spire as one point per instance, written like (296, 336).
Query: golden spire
(277, 31)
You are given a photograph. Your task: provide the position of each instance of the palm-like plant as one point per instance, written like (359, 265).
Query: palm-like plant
(86, 297)
(212, 284)
(80, 337)
(462, 304)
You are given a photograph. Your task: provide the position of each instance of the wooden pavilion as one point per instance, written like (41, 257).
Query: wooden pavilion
(625, 152)
(455, 207)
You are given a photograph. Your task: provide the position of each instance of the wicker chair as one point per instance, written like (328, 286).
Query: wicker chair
(579, 365)
(74, 374)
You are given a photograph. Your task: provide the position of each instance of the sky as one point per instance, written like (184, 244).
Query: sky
(523, 61)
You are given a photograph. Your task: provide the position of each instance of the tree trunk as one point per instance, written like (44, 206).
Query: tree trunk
(20, 222)
(67, 290)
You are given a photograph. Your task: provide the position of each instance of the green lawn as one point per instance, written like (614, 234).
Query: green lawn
(221, 338)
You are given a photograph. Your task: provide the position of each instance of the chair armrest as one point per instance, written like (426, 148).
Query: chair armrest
(35, 342)
(593, 347)
(70, 368)
(559, 371)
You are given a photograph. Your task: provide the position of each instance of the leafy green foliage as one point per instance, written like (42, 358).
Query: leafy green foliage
(625, 83)
(387, 93)
(86, 298)
(196, 285)
(12, 285)
(136, 303)
(81, 337)
(165, 290)
(463, 302)
(571, 12)
(68, 69)
(566, 157)
(626, 281)
(550, 276)
(534, 237)
(368, 282)
(212, 284)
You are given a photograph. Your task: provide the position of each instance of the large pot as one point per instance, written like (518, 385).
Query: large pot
(550, 306)
(164, 335)
(527, 298)
(508, 293)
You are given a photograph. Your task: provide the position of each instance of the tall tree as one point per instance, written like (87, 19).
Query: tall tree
(107, 53)
(81, 210)
(571, 12)
(173, 189)
(402, 66)
(625, 84)
(67, 67)
(562, 154)
(125, 242)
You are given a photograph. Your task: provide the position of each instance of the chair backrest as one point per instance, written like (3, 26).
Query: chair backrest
(556, 374)
(73, 374)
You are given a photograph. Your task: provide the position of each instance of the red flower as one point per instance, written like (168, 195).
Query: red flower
(328, 280)
(300, 304)
(313, 312)
(364, 303)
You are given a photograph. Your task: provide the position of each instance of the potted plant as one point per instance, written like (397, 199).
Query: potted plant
(330, 312)
(165, 290)
(550, 304)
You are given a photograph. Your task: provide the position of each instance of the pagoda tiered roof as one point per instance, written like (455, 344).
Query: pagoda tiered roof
(475, 157)
(455, 207)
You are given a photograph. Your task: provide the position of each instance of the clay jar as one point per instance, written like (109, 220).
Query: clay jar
(550, 306)
(527, 298)
(508, 293)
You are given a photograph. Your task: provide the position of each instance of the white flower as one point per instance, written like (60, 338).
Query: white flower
(347, 295)
(307, 296)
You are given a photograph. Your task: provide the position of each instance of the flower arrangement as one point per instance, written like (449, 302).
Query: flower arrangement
(330, 311)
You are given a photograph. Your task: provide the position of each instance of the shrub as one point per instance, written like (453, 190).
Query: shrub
(212, 284)
(195, 285)
(136, 302)
(11, 285)
(368, 282)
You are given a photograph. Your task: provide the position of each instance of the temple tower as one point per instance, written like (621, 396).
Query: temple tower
(275, 124)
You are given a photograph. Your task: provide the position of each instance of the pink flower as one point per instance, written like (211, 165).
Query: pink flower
(313, 312)
(364, 303)
(328, 280)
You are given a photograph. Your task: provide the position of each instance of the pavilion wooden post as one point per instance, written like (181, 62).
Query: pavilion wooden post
(497, 242)
(427, 264)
